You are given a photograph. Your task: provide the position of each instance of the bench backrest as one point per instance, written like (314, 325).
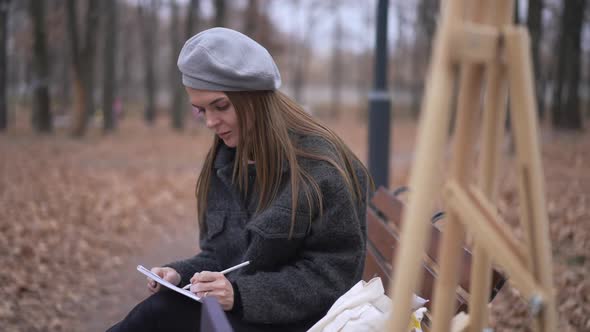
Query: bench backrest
(383, 229)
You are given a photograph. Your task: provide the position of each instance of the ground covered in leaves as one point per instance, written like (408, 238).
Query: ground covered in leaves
(76, 216)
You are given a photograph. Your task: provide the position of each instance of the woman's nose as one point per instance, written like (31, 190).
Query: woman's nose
(211, 121)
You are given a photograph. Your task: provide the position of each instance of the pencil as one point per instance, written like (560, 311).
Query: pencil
(228, 270)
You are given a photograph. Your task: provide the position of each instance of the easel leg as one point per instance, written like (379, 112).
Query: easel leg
(453, 236)
(531, 190)
(470, 88)
(494, 117)
(424, 182)
(499, 14)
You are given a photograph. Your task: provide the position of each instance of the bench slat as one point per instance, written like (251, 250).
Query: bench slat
(384, 221)
(381, 250)
(389, 205)
(382, 237)
(374, 267)
(391, 208)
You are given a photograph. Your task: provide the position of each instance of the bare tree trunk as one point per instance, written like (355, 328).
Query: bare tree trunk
(83, 63)
(192, 17)
(192, 25)
(220, 13)
(566, 101)
(80, 98)
(41, 114)
(65, 93)
(4, 7)
(302, 55)
(416, 63)
(572, 117)
(148, 18)
(427, 10)
(363, 62)
(516, 21)
(299, 59)
(264, 30)
(177, 108)
(336, 62)
(92, 20)
(251, 26)
(534, 19)
(397, 76)
(109, 80)
(586, 85)
(559, 70)
(125, 84)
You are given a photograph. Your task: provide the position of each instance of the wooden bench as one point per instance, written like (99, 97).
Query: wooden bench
(383, 225)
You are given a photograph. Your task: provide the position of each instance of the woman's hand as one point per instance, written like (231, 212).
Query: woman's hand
(167, 273)
(207, 283)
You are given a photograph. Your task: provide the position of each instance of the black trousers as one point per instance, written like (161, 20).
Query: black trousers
(163, 311)
(169, 311)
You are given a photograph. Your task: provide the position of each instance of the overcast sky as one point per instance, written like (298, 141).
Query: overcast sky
(291, 16)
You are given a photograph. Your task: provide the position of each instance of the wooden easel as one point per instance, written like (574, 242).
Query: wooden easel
(477, 40)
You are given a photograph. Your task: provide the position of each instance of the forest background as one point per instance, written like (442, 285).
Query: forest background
(100, 150)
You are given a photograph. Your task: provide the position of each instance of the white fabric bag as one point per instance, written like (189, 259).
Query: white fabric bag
(365, 307)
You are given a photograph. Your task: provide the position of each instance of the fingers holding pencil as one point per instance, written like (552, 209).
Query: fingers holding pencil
(222, 272)
(206, 283)
(214, 284)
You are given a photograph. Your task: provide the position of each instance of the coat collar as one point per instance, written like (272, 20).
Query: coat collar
(225, 156)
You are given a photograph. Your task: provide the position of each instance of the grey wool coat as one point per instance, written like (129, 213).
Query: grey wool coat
(289, 282)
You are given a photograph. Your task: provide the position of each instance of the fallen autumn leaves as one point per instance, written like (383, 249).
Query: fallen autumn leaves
(69, 209)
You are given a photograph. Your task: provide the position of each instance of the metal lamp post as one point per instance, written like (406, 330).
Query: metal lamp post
(380, 104)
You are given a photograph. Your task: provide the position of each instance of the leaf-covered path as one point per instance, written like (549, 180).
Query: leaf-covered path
(76, 217)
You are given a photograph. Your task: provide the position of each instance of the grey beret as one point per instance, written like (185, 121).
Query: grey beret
(222, 59)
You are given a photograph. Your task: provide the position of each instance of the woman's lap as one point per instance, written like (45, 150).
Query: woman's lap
(162, 311)
(169, 311)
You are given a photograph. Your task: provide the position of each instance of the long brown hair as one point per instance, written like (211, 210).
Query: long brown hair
(271, 118)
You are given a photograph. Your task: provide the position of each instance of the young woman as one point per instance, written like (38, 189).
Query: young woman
(277, 189)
